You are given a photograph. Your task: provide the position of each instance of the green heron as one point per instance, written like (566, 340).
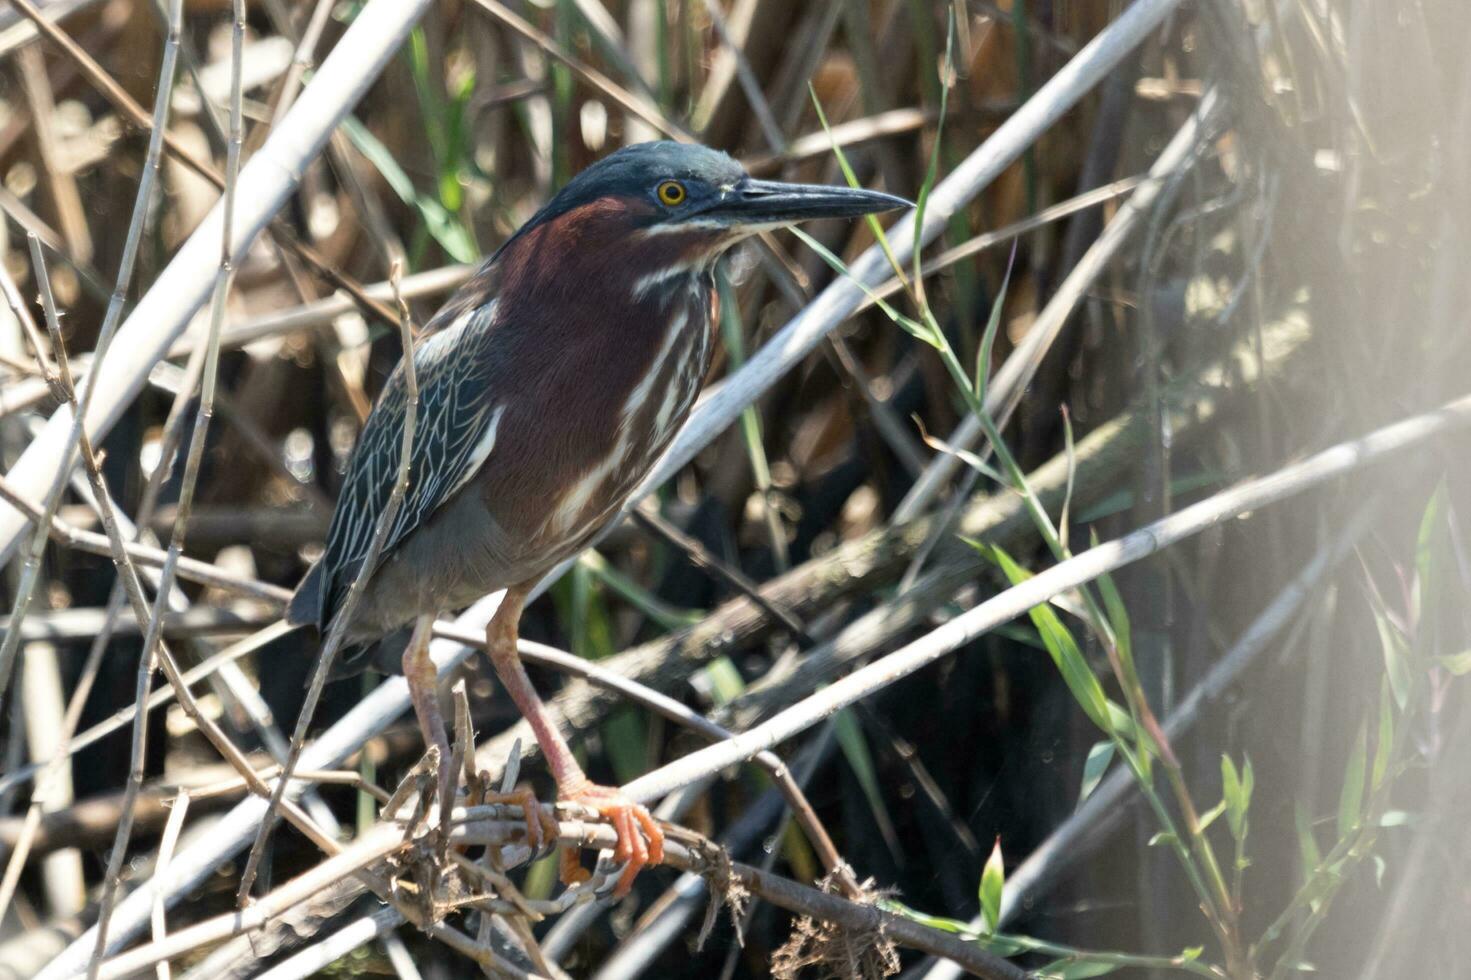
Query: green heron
(549, 384)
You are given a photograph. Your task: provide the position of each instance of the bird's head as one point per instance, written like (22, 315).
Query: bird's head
(692, 200)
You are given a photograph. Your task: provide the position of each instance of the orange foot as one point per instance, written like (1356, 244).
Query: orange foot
(541, 826)
(631, 822)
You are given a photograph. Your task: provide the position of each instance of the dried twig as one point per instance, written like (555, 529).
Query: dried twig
(491, 826)
(1004, 392)
(265, 182)
(337, 631)
(151, 643)
(790, 345)
(165, 854)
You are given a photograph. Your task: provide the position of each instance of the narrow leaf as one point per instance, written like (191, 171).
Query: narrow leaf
(443, 226)
(1118, 615)
(1396, 656)
(1099, 756)
(1075, 969)
(1458, 664)
(1384, 744)
(860, 759)
(1209, 817)
(993, 881)
(1430, 540)
(1307, 844)
(1236, 793)
(909, 324)
(1063, 648)
(1351, 800)
(988, 337)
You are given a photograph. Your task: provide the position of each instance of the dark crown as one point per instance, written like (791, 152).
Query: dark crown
(634, 170)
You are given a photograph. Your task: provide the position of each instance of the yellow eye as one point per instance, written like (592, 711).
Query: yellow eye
(671, 192)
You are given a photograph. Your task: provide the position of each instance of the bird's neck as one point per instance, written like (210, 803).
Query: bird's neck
(594, 257)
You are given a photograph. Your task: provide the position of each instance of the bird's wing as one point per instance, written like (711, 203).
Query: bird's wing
(454, 433)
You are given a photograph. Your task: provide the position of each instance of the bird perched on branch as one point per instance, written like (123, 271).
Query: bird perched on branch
(549, 385)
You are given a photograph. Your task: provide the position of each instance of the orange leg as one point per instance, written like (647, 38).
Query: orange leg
(424, 693)
(632, 822)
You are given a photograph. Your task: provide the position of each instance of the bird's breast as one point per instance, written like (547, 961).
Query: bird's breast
(650, 409)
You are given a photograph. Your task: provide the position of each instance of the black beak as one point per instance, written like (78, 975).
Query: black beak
(769, 202)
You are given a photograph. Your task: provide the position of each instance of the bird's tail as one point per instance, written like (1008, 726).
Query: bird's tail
(305, 607)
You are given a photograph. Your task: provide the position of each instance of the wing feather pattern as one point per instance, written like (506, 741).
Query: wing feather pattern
(457, 419)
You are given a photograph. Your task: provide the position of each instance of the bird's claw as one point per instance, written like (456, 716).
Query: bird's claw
(541, 826)
(640, 841)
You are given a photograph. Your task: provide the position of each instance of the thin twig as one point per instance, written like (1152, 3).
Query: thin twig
(146, 555)
(265, 183)
(635, 104)
(129, 108)
(337, 632)
(712, 417)
(165, 854)
(489, 826)
(152, 649)
(111, 317)
(729, 574)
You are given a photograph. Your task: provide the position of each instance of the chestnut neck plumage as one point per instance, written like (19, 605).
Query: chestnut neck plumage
(632, 309)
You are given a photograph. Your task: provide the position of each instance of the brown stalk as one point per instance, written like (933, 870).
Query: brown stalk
(137, 117)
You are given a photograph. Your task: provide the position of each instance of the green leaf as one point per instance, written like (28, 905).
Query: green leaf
(988, 337)
(855, 750)
(1430, 540)
(726, 683)
(1118, 616)
(1307, 844)
(909, 324)
(1236, 792)
(443, 226)
(669, 617)
(1123, 726)
(993, 881)
(1396, 658)
(625, 737)
(853, 181)
(1351, 799)
(1209, 817)
(1064, 650)
(1071, 968)
(1230, 782)
(967, 457)
(1163, 838)
(933, 921)
(1384, 744)
(1099, 756)
(1458, 664)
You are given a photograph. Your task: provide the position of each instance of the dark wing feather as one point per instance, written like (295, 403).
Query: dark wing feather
(456, 413)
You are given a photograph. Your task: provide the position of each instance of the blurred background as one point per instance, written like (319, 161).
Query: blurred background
(1291, 273)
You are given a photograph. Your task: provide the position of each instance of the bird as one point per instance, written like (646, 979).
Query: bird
(549, 384)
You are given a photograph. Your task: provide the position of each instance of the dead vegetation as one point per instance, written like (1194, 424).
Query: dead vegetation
(1185, 337)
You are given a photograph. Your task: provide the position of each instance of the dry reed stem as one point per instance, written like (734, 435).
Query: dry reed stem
(1084, 567)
